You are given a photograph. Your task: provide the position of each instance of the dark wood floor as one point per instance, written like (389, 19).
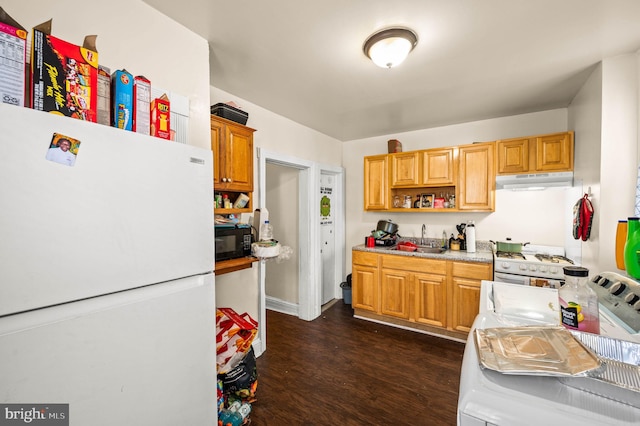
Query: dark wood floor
(338, 370)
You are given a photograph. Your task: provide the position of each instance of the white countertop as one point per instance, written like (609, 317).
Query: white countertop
(481, 256)
(500, 399)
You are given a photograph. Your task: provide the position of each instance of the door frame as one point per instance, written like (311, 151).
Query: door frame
(310, 265)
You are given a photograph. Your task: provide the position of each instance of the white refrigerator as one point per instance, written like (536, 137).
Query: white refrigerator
(106, 274)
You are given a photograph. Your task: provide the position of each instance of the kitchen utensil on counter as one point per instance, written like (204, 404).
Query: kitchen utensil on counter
(407, 246)
(509, 246)
(387, 226)
(471, 237)
(370, 242)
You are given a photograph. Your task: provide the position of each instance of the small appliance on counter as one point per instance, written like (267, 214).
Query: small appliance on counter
(232, 241)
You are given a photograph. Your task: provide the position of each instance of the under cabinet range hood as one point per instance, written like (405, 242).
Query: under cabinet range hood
(532, 182)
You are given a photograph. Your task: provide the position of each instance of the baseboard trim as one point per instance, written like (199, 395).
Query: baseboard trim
(281, 306)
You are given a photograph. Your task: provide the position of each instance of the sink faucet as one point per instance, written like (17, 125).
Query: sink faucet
(424, 232)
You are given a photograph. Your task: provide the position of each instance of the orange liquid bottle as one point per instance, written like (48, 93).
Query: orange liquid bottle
(621, 240)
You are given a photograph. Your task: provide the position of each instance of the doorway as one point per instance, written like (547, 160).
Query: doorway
(304, 176)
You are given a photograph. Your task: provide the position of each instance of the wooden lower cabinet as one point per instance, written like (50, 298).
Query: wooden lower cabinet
(431, 299)
(364, 282)
(395, 288)
(465, 301)
(439, 296)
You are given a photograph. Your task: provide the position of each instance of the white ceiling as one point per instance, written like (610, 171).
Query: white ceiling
(475, 59)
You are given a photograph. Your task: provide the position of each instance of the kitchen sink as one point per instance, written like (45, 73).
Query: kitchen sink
(426, 249)
(420, 249)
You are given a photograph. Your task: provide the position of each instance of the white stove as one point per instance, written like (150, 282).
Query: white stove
(537, 265)
(619, 299)
(489, 397)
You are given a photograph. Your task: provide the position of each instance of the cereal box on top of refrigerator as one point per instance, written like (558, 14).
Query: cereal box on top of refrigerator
(13, 53)
(141, 105)
(64, 76)
(122, 104)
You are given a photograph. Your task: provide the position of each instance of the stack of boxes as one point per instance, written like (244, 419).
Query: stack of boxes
(66, 79)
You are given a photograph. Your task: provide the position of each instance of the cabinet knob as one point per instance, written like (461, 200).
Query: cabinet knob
(229, 180)
(224, 179)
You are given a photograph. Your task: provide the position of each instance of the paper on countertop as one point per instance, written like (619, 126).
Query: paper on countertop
(520, 302)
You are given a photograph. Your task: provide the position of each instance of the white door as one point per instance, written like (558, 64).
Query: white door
(327, 237)
(139, 357)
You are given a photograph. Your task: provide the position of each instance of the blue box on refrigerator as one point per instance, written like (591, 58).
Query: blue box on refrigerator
(122, 105)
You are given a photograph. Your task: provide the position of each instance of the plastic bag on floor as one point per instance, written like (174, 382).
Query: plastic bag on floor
(242, 380)
(234, 336)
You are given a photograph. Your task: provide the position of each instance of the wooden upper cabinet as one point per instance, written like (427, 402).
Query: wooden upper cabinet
(405, 169)
(513, 156)
(535, 154)
(376, 178)
(438, 166)
(554, 153)
(232, 146)
(476, 177)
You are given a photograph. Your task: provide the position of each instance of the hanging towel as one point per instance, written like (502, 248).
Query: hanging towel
(582, 218)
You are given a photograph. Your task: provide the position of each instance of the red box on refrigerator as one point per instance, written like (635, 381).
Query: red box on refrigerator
(160, 117)
(64, 76)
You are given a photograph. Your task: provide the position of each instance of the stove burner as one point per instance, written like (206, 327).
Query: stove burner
(553, 258)
(509, 255)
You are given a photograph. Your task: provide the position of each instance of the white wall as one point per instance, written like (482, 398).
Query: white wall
(585, 117)
(281, 281)
(240, 290)
(538, 217)
(605, 113)
(133, 35)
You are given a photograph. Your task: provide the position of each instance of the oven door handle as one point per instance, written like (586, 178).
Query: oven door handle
(511, 279)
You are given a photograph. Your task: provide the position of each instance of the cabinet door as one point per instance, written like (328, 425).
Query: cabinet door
(239, 158)
(437, 167)
(554, 153)
(217, 135)
(513, 156)
(466, 303)
(365, 288)
(430, 299)
(376, 182)
(394, 286)
(477, 177)
(405, 169)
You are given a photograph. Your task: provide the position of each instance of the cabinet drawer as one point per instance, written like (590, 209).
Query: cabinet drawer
(414, 264)
(477, 271)
(364, 258)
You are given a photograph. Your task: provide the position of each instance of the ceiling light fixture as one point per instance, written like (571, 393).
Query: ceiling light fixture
(389, 47)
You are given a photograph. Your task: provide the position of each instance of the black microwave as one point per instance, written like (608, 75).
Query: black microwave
(232, 241)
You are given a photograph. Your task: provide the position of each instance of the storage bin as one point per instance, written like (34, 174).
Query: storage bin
(230, 113)
(346, 292)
